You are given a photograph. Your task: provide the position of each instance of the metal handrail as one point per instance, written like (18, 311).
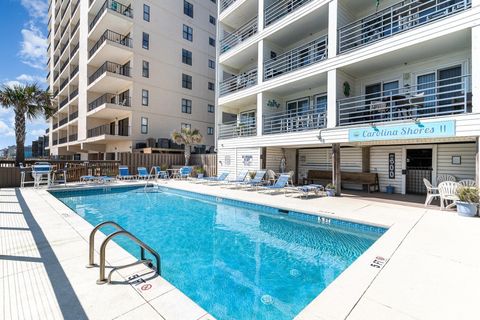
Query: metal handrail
(91, 240)
(109, 98)
(109, 67)
(284, 122)
(400, 17)
(237, 82)
(279, 9)
(225, 4)
(111, 36)
(299, 57)
(239, 35)
(236, 129)
(114, 6)
(435, 98)
(140, 243)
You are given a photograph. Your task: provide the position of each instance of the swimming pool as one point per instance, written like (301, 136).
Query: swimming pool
(237, 260)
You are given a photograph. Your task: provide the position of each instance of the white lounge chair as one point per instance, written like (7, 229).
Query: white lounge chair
(445, 177)
(468, 183)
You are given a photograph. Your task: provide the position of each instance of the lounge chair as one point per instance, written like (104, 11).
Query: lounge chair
(469, 183)
(87, 178)
(307, 189)
(255, 182)
(143, 173)
(280, 184)
(220, 178)
(240, 177)
(184, 172)
(159, 173)
(124, 174)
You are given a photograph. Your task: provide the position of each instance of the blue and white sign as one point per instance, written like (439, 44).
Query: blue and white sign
(419, 130)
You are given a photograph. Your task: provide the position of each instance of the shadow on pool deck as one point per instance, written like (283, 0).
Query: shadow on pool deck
(65, 295)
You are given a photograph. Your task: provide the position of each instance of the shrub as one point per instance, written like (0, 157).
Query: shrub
(468, 194)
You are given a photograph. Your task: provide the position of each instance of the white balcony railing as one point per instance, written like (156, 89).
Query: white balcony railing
(237, 129)
(240, 35)
(302, 56)
(438, 98)
(295, 121)
(395, 19)
(280, 9)
(235, 83)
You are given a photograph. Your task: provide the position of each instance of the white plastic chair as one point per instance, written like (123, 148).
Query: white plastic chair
(468, 183)
(432, 192)
(448, 192)
(445, 177)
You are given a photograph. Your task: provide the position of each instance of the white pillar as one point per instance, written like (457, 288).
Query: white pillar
(261, 6)
(332, 99)
(476, 68)
(332, 28)
(260, 62)
(259, 114)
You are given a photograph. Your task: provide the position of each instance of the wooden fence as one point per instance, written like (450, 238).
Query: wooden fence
(10, 175)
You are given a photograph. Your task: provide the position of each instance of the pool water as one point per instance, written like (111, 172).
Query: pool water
(236, 260)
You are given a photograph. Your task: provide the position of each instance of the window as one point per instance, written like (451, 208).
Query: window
(186, 81)
(146, 12)
(145, 40)
(186, 106)
(187, 33)
(211, 108)
(187, 57)
(211, 86)
(144, 97)
(186, 126)
(211, 64)
(297, 106)
(213, 20)
(211, 41)
(144, 125)
(146, 69)
(214, 1)
(188, 8)
(210, 131)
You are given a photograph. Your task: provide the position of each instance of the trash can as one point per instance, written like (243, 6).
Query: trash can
(390, 189)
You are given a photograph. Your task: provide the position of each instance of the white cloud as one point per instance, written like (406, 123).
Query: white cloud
(30, 78)
(11, 83)
(37, 9)
(6, 130)
(36, 132)
(33, 48)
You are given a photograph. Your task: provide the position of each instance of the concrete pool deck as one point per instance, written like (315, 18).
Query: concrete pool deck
(429, 271)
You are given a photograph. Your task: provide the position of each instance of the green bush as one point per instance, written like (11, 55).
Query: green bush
(468, 194)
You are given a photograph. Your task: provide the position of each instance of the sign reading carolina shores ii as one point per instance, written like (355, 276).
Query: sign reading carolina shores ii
(405, 131)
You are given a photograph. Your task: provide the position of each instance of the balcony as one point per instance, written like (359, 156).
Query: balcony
(108, 130)
(55, 142)
(73, 116)
(431, 99)
(242, 81)
(62, 140)
(73, 94)
(237, 129)
(55, 126)
(302, 56)
(240, 35)
(64, 83)
(74, 72)
(73, 137)
(398, 18)
(74, 50)
(110, 77)
(109, 106)
(121, 18)
(116, 48)
(225, 4)
(63, 121)
(296, 121)
(63, 103)
(282, 8)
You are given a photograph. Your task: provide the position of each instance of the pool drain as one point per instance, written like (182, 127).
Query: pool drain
(267, 299)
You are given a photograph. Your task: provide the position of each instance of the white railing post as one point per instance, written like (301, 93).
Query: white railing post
(259, 114)
(475, 81)
(332, 99)
(332, 28)
(261, 15)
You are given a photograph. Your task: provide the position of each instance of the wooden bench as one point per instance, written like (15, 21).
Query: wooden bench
(362, 178)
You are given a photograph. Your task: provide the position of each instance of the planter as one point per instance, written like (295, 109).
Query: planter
(330, 192)
(199, 175)
(466, 209)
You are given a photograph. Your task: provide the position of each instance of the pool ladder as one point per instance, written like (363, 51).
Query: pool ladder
(152, 175)
(120, 231)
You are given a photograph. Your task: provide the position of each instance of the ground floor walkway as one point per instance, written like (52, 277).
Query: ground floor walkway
(430, 268)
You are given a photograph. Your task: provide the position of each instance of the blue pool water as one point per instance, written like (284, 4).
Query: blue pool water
(236, 260)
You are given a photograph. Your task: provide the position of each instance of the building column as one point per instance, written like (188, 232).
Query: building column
(259, 114)
(332, 99)
(477, 161)
(261, 15)
(476, 68)
(260, 62)
(332, 28)
(336, 174)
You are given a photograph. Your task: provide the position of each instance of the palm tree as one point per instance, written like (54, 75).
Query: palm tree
(28, 101)
(188, 138)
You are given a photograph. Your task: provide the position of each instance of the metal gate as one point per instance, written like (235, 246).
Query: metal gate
(415, 177)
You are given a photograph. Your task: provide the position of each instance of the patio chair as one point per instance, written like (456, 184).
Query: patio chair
(280, 184)
(445, 177)
(124, 173)
(307, 189)
(448, 192)
(41, 171)
(241, 177)
(468, 183)
(184, 172)
(256, 181)
(270, 176)
(87, 178)
(416, 103)
(432, 192)
(159, 173)
(220, 178)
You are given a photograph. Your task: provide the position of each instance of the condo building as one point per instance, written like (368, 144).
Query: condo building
(125, 74)
(387, 87)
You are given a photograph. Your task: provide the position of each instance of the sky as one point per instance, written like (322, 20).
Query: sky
(23, 30)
